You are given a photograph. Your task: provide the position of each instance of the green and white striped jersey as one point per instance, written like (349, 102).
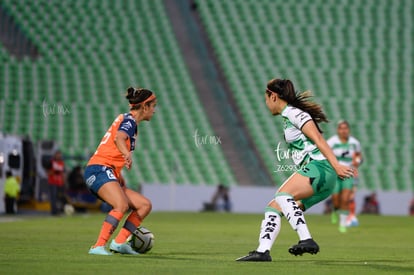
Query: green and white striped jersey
(344, 151)
(300, 146)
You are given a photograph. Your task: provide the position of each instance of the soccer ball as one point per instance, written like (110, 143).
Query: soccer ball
(142, 240)
(68, 209)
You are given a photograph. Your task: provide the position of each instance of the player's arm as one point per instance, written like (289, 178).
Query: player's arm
(357, 159)
(310, 130)
(356, 162)
(121, 138)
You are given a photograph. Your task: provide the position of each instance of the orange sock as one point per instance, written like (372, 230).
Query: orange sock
(352, 208)
(108, 227)
(131, 223)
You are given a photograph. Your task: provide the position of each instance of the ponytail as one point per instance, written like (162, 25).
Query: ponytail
(301, 100)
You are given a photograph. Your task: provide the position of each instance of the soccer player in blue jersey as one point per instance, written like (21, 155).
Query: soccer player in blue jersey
(103, 174)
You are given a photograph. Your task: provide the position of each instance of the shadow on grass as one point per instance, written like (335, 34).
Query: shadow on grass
(190, 256)
(380, 264)
(385, 265)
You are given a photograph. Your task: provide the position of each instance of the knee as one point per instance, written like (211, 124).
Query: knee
(273, 204)
(147, 205)
(121, 206)
(144, 207)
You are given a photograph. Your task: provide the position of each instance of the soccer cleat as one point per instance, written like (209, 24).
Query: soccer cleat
(353, 222)
(305, 246)
(99, 250)
(342, 229)
(123, 248)
(255, 256)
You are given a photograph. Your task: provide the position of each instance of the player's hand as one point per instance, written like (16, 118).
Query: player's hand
(355, 172)
(344, 171)
(356, 160)
(128, 160)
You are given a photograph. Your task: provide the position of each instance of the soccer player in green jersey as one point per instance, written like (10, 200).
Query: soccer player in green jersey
(311, 184)
(347, 149)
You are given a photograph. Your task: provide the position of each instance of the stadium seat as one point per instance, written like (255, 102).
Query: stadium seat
(348, 55)
(91, 51)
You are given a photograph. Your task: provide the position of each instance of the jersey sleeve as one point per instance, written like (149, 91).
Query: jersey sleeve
(357, 146)
(298, 117)
(331, 141)
(128, 125)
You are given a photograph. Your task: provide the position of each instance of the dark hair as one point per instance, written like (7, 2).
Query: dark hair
(9, 173)
(136, 96)
(301, 100)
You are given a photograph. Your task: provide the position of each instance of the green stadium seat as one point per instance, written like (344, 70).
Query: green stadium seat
(330, 47)
(86, 66)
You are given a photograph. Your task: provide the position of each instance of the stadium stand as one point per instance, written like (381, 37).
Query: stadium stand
(90, 51)
(356, 56)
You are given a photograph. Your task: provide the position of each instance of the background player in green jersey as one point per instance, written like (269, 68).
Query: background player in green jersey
(347, 149)
(314, 181)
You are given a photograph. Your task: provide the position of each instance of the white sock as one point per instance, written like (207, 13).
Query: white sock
(293, 214)
(343, 216)
(269, 229)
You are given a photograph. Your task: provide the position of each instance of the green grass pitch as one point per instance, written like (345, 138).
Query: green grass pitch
(206, 243)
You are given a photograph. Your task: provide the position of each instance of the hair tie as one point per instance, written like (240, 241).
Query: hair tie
(150, 98)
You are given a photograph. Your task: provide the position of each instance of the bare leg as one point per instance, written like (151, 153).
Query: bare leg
(113, 194)
(295, 188)
(138, 202)
(141, 207)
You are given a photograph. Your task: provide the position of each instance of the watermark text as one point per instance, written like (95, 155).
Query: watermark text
(201, 140)
(54, 109)
(283, 155)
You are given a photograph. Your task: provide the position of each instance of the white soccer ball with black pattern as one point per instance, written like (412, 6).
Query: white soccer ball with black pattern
(142, 240)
